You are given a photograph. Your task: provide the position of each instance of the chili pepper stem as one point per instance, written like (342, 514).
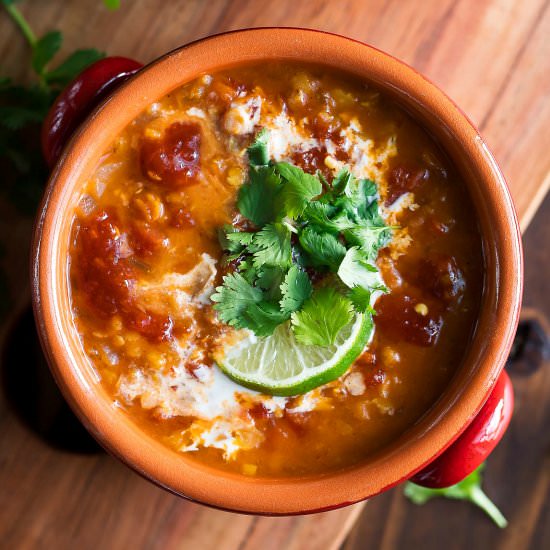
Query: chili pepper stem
(483, 501)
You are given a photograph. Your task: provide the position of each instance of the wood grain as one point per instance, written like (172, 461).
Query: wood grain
(490, 56)
(517, 477)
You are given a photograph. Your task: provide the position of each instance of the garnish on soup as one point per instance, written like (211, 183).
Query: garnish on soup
(252, 221)
(306, 228)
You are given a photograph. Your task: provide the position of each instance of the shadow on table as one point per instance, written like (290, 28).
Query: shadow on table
(32, 393)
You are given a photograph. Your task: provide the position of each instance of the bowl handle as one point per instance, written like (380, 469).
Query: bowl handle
(78, 100)
(477, 441)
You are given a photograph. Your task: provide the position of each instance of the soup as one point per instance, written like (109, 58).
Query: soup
(146, 260)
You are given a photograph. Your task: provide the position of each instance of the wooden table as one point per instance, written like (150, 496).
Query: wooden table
(491, 57)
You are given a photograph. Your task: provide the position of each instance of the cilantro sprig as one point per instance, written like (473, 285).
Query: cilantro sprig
(23, 108)
(468, 489)
(304, 226)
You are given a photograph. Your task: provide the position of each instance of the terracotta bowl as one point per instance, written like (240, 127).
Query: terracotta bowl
(421, 444)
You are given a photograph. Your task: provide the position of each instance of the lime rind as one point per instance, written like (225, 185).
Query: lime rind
(279, 365)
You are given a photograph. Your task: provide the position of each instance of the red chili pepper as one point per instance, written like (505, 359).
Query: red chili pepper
(79, 98)
(476, 442)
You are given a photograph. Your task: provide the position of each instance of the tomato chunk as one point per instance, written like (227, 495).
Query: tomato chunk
(398, 318)
(174, 158)
(404, 179)
(443, 278)
(108, 278)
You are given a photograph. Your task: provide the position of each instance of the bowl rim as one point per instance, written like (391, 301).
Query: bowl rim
(184, 476)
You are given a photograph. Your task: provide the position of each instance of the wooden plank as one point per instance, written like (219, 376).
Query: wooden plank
(489, 55)
(517, 477)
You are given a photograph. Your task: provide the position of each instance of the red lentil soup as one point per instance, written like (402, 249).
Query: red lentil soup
(145, 258)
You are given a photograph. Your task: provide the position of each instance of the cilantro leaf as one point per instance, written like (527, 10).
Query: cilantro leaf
(271, 246)
(322, 317)
(234, 297)
(44, 49)
(341, 181)
(355, 270)
(270, 279)
(263, 318)
(248, 271)
(361, 298)
(327, 217)
(369, 238)
(256, 199)
(299, 188)
(339, 230)
(73, 65)
(258, 154)
(371, 213)
(468, 489)
(360, 192)
(323, 248)
(232, 240)
(296, 289)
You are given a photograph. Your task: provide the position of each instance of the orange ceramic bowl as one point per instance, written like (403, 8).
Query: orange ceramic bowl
(414, 449)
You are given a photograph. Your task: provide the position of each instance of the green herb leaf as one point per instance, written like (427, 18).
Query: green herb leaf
(322, 317)
(263, 318)
(112, 4)
(270, 279)
(338, 231)
(361, 298)
(44, 50)
(341, 181)
(298, 189)
(369, 238)
(258, 153)
(233, 240)
(468, 489)
(234, 297)
(355, 270)
(271, 246)
(15, 117)
(73, 65)
(296, 289)
(324, 249)
(257, 198)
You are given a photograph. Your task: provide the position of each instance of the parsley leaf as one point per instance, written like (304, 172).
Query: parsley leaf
(271, 246)
(298, 190)
(322, 317)
(257, 198)
(355, 270)
(234, 297)
(468, 489)
(323, 248)
(296, 289)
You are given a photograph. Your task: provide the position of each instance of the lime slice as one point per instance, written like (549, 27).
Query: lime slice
(279, 365)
